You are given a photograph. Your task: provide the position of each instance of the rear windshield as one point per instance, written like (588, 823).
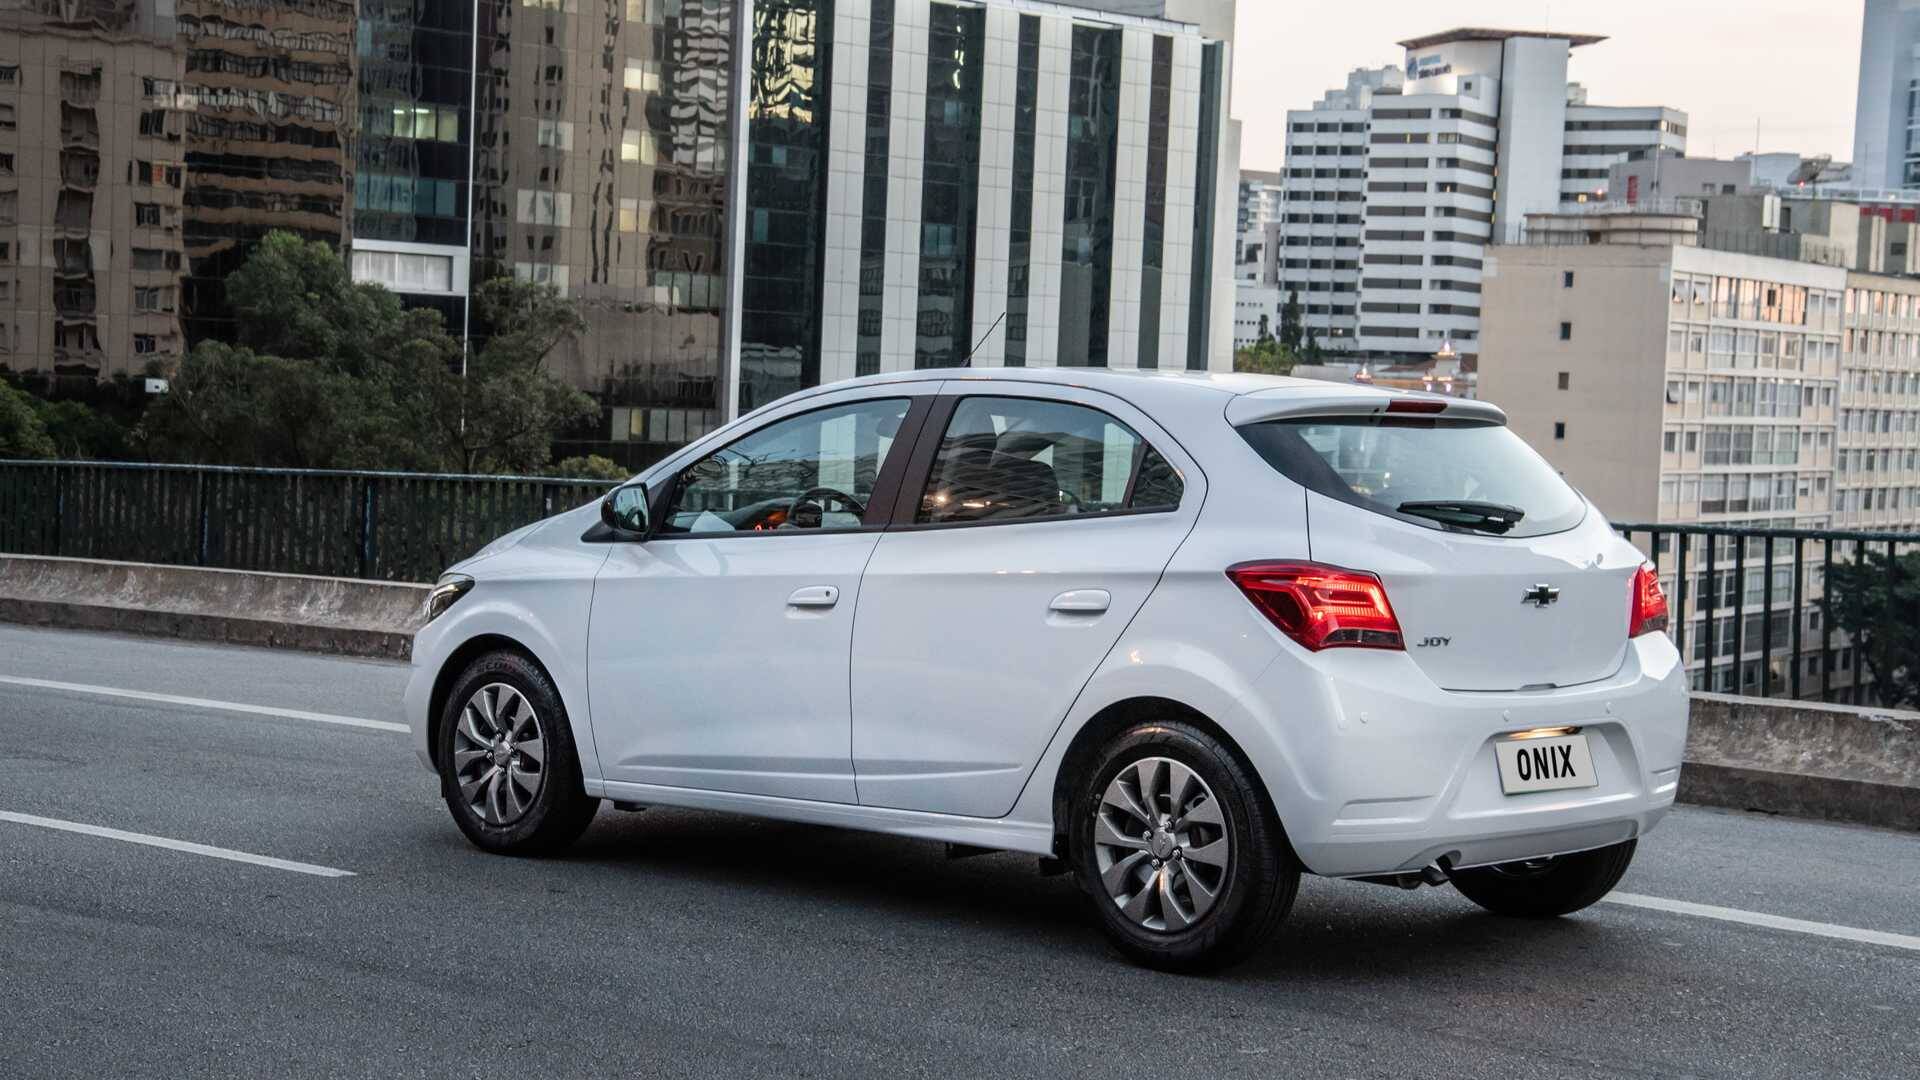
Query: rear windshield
(1383, 464)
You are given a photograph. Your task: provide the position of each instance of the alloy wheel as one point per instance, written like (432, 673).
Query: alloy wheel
(499, 754)
(1160, 844)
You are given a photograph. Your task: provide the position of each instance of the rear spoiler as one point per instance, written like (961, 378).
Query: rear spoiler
(1357, 401)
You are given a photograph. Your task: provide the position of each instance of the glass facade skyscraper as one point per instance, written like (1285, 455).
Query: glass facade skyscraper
(743, 199)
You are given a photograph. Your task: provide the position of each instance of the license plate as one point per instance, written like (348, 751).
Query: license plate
(1563, 761)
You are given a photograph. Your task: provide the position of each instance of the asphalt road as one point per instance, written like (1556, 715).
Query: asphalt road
(687, 944)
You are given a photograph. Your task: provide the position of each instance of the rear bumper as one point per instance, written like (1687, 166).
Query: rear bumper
(1382, 772)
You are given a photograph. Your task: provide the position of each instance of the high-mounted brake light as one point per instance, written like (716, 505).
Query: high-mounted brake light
(1415, 405)
(1321, 607)
(1648, 611)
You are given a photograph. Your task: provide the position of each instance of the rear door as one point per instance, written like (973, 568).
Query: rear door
(1040, 520)
(1539, 603)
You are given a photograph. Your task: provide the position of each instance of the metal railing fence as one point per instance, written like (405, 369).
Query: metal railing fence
(1750, 611)
(377, 525)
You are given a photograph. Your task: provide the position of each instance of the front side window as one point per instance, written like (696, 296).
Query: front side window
(1392, 466)
(813, 471)
(1016, 459)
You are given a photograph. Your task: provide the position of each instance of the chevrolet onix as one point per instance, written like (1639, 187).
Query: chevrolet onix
(1183, 636)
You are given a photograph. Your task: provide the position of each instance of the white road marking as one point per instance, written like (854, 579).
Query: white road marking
(206, 703)
(1772, 922)
(174, 845)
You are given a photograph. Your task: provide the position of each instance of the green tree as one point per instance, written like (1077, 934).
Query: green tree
(1290, 323)
(1264, 357)
(1879, 607)
(22, 433)
(83, 433)
(326, 373)
(1311, 352)
(502, 415)
(589, 467)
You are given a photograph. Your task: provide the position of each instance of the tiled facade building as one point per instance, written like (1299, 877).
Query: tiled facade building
(1677, 384)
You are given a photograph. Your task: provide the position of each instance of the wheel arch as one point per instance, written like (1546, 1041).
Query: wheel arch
(1117, 717)
(456, 663)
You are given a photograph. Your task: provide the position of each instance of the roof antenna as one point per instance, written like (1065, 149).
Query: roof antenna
(968, 362)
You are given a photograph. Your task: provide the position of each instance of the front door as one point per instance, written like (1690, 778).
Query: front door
(1039, 527)
(718, 649)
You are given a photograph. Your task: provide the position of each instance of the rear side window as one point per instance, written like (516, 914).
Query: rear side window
(1013, 459)
(1384, 465)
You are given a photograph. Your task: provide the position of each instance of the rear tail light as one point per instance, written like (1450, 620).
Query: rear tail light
(1649, 607)
(1321, 607)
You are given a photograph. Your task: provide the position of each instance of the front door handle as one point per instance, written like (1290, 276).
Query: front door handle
(1081, 602)
(814, 596)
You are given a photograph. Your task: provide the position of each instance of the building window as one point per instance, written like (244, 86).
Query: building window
(1566, 379)
(1566, 331)
(949, 186)
(1026, 96)
(870, 326)
(638, 146)
(1093, 147)
(1566, 279)
(632, 213)
(787, 110)
(146, 214)
(644, 76)
(1200, 295)
(1153, 245)
(1559, 429)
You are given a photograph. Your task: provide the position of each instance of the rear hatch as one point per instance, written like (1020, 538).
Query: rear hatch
(1500, 574)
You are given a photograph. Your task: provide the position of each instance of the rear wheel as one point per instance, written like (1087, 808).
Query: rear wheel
(508, 768)
(1544, 888)
(1185, 864)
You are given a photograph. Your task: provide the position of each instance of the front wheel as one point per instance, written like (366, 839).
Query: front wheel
(1185, 864)
(508, 768)
(1544, 888)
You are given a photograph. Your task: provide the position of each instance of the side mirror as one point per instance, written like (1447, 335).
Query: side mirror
(624, 510)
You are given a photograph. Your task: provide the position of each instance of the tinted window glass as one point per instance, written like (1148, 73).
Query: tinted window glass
(1006, 459)
(813, 471)
(1382, 465)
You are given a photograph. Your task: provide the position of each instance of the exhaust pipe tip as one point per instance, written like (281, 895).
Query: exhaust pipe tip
(1438, 872)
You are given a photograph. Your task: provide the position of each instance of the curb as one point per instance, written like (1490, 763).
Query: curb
(217, 629)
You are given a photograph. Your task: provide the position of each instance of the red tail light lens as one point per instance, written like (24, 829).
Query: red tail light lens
(1321, 607)
(1649, 610)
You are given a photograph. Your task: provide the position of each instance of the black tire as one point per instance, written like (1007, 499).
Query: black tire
(1561, 885)
(1261, 876)
(560, 810)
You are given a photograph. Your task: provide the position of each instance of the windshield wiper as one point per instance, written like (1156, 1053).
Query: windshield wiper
(1466, 513)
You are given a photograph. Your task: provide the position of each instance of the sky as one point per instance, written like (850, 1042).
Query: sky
(1792, 65)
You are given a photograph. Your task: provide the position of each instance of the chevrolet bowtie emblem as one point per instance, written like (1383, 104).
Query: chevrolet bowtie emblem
(1540, 595)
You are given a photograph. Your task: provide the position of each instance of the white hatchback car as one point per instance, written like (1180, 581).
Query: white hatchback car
(1182, 635)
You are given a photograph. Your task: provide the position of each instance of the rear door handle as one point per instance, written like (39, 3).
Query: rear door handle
(1081, 602)
(815, 596)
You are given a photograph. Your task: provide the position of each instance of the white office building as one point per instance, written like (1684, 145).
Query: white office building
(1886, 117)
(1396, 182)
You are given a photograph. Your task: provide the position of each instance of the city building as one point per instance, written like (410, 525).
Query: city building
(1886, 115)
(1396, 183)
(1673, 382)
(1260, 197)
(144, 146)
(742, 206)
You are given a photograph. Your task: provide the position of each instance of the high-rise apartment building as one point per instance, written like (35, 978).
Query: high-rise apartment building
(1396, 183)
(1677, 384)
(1886, 116)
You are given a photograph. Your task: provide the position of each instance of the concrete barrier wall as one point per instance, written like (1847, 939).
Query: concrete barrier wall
(1793, 757)
(320, 614)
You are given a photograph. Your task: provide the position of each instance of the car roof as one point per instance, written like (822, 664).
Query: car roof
(1140, 386)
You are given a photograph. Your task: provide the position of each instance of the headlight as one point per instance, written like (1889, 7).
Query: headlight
(451, 587)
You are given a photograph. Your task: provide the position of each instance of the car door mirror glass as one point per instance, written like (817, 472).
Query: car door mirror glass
(624, 510)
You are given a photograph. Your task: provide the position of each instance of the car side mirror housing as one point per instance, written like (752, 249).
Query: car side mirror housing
(624, 510)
